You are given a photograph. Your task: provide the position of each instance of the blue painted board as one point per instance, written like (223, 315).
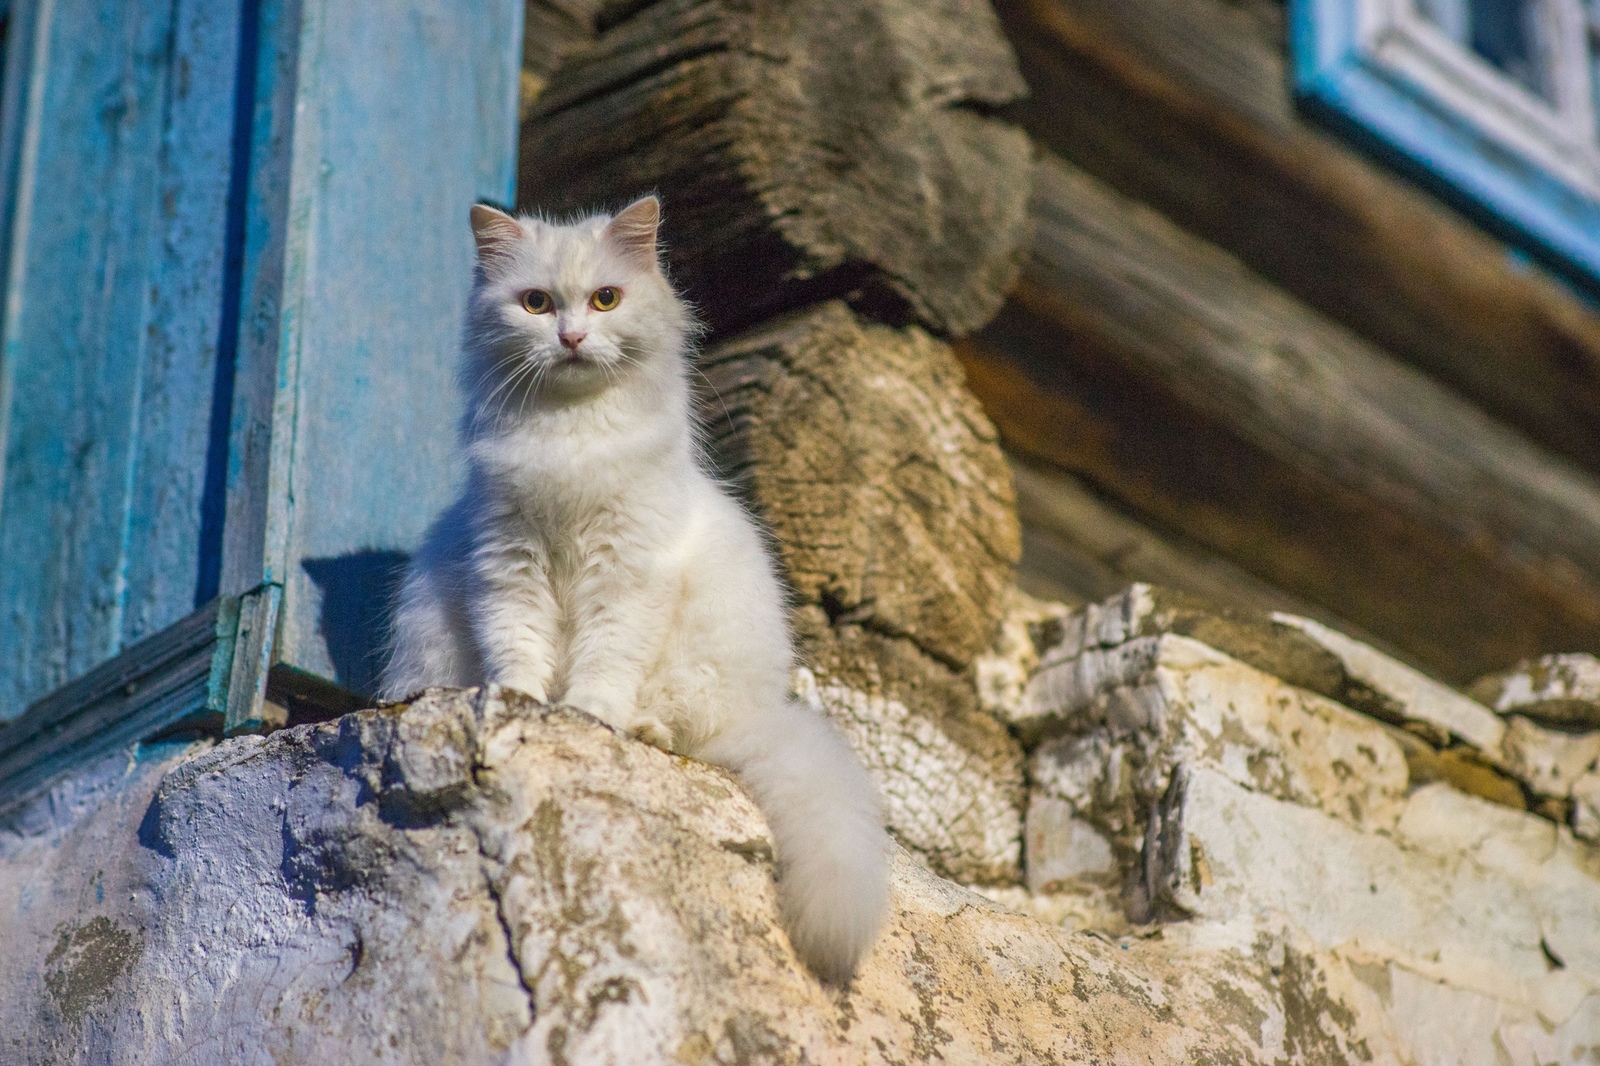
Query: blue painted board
(117, 127)
(1336, 81)
(360, 260)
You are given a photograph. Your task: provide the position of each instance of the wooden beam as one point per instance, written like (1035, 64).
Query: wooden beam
(804, 150)
(1185, 104)
(1173, 379)
(1079, 547)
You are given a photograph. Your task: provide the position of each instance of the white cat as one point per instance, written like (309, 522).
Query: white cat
(591, 560)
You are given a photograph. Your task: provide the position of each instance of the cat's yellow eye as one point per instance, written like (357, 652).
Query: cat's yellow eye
(537, 302)
(604, 299)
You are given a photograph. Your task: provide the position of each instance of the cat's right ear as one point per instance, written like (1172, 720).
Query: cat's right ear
(633, 231)
(495, 231)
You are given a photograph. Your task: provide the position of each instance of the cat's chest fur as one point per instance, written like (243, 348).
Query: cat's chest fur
(589, 492)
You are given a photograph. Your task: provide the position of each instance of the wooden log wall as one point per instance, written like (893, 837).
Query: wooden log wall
(1262, 355)
(1185, 105)
(1165, 373)
(837, 202)
(805, 151)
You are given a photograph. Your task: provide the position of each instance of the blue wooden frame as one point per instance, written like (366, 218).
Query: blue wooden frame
(1338, 83)
(234, 256)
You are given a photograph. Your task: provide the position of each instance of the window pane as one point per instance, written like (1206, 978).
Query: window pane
(1506, 33)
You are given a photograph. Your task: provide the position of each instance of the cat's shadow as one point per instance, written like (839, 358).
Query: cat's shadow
(358, 596)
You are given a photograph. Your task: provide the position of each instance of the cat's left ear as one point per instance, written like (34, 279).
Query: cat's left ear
(495, 231)
(633, 231)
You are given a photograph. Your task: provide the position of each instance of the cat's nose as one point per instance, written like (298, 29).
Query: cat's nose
(572, 339)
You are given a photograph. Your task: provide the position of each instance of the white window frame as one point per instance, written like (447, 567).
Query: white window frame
(1559, 134)
(1528, 167)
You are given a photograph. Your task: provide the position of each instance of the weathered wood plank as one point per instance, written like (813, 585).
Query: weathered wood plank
(154, 685)
(247, 710)
(1176, 381)
(1078, 547)
(118, 125)
(1186, 104)
(551, 30)
(373, 136)
(804, 151)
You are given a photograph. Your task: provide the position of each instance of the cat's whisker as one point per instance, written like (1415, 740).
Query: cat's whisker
(507, 383)
(508, 388)
(530, 371)
(497, 366)
(714, 391)
(533, 386)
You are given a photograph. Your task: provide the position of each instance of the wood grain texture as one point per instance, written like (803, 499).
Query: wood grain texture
(1078, 547)
(1185, 104)
(118, 124)
(1176, 381)
(551, 29)
(890, 504)
(805, 150)
(875, 469)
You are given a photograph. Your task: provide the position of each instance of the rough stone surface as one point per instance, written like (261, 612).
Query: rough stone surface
(1231, 802)
(1560, 691)
(479, 879)
(1255, 637)
(1414, 696)
(1511, 760)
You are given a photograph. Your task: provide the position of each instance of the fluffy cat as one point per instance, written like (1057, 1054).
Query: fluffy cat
(592, 561)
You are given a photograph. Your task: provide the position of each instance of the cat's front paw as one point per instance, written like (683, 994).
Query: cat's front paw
(652, 731)
(610, 709)
(531, 686)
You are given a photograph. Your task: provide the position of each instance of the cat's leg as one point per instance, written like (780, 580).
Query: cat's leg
(619, 617)
(515, 619)
(427, 649)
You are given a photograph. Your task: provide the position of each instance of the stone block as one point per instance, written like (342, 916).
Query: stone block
(1560, 691)
(1144, 707)
(1414, 696)
(1512, 760)
(1240, 808)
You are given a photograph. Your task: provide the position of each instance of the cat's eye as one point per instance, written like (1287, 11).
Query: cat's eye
(604, 299)
(537, 302)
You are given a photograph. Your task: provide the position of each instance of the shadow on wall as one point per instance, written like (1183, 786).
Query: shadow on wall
(358, 594)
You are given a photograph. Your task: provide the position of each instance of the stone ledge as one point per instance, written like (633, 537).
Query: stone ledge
(476, 878)
(1511, 759)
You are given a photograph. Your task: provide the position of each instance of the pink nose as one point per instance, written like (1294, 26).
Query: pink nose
(572, 340)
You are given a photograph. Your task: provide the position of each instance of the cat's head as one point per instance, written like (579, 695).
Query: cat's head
(567, 311)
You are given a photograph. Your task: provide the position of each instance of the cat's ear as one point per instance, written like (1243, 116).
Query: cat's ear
(495, 231)
(633, 231)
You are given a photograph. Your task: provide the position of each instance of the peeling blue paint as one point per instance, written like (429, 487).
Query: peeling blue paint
(236, 262)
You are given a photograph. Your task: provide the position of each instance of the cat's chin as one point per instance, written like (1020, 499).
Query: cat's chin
(576, 376)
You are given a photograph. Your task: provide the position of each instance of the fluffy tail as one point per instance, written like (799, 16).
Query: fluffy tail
(833, 869)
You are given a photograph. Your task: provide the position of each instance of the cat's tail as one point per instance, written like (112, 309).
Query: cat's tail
(833, 866)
